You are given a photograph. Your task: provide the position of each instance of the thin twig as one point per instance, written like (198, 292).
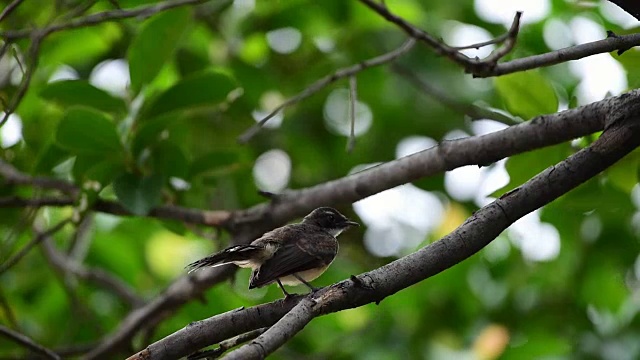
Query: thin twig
(472, 111)
(497, 40)
(610, 44)
(473, 66)
(13, 176)
(8, 312)
(98, 18)
(34, 51)
(323, 82)
(28, 343)
(35, 241)
(227, 344)
(353, 99)
(216, 218)
(3, 48)
(11, 236)
(38, 35)
(82, 8)
(7, 10)
(16, 55)
(508, 43)
(67, 265)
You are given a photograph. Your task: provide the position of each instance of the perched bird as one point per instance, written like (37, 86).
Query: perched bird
(290, 255)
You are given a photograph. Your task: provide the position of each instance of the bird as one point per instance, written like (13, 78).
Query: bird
(289, 255)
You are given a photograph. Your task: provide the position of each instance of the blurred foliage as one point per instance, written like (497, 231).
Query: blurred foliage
(197, 76)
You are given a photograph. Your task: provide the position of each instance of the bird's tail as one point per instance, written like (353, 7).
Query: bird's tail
(238, 253)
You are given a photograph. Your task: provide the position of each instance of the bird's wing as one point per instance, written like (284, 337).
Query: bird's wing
(305, 253)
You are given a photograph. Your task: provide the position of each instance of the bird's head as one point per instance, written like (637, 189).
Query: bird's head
(330, 220)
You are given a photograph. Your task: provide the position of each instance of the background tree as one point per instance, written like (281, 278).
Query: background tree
(138, 136)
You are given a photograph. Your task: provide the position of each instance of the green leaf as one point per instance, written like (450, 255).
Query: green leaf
(630, 60)
(81, 46)
(623, 174)
(208, 89)
(139, 194)
(169, 160)
(213, 161)
(189, 62)
(150, 132)
(155, 44)
(603, 285)
(87, 131)
(51, 156)
(80, 92)
(95, 168)
(527, 94)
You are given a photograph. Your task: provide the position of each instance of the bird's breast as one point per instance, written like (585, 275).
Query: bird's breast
(307, 275)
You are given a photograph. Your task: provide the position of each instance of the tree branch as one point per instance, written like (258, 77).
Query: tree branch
(541, 131)
(613, 43)
(227, 344)
(329, 79)
(474, 112)
(489, 67)
(473, 66)
(28, 343)
(35, 241)
(14, 177)
(176, 295)
(9, 9)
(34, 50)
(66, 265)
(98, 18)
(622, 135)
(227, 325)
(283, 330)
(216, 218)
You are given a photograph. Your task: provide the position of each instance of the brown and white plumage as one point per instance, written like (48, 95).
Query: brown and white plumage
(292, 254)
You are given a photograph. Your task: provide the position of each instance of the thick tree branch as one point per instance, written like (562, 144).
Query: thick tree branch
(229, 324)
(177, 294)
(28, 343)
(622, 135)
(289, 325)
(541, 131)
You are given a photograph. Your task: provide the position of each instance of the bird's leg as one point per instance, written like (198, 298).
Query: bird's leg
(286, 294)
(313, 288)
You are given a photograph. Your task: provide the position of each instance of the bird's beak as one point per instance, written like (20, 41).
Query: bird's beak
(351, 223)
